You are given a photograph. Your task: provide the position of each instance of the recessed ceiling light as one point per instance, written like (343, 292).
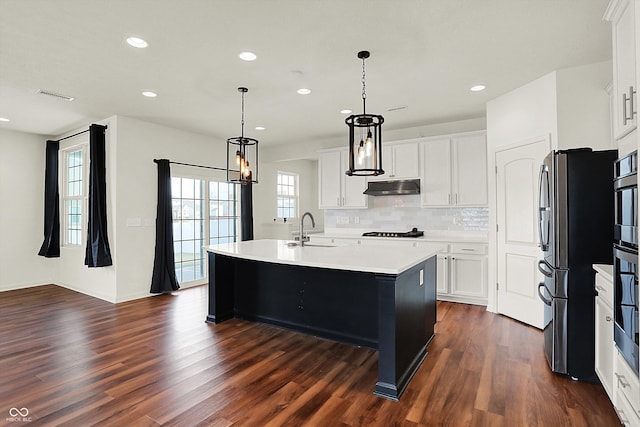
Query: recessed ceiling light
(137, 42)
(478, 88)
(260, 128)
(149, 94)
(4, 119)
(345, 111)
(304, 91)
(247, 56)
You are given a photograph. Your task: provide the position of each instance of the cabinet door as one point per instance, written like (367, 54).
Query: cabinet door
(406, 161)
(470, 170)
(435, 188)
(329, 194)
(442, 274)
(624, 68)
(605, 348)
(468, 276)
(352, 186)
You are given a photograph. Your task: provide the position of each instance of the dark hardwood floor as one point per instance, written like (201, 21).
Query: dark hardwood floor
(74, 360)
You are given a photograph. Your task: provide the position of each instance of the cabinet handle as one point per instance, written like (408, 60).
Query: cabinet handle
(625, 98)
(456, 198)
(608, 318)
(621, 380)
(599, 288)
(620, 412)
(338, 201)
(632, 111)
(343, 201)
(449, 199)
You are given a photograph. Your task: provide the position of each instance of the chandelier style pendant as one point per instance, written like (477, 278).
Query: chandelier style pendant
(243, 153)
(365, 136)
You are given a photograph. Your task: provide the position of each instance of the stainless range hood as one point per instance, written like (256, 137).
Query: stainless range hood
(393, 188)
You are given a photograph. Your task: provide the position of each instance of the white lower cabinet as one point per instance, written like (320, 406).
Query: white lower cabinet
(618, 379)
(464, 277)
(626, 393)
(461, 267)
(605, 347)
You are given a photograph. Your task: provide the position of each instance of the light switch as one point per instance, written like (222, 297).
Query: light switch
(134, 222)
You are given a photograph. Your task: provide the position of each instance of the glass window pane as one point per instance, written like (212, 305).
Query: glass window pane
(187, 188)
(175, 187)
(213, 190)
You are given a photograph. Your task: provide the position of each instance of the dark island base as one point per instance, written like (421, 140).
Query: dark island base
(394, 314)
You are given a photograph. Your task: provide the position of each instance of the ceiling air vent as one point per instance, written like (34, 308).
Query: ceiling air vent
(54, 94)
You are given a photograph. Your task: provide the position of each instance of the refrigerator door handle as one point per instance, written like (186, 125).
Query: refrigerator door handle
(542, 243)
(544, 300)
(546, 270)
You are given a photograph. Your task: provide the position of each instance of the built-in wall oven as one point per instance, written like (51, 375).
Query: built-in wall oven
(625, 261)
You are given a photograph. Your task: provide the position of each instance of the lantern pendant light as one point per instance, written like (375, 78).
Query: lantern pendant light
(243, 153)
(365, 136)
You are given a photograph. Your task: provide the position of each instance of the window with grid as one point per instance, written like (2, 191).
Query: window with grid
(73, 196)
(287, 195)
(203, 211)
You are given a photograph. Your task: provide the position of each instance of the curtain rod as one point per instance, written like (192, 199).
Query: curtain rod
(76, 134)
(196, 166)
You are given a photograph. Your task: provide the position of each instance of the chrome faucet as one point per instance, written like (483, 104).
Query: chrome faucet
(313, 224)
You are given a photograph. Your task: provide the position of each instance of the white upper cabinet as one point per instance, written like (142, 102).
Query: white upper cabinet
(470, 170)
(621, 13)
(336, 189)
(435, 186)
(399, 161)
(454, 171)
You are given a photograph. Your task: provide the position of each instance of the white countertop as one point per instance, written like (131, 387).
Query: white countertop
(368, 258)
(429, 236)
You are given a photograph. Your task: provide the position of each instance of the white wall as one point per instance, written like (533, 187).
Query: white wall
(569, 106)
(22, 214)
(583, 106)
(69, 269)
(138, 143)
(264, 198)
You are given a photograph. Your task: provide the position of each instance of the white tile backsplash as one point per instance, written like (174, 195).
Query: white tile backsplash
(401, 213)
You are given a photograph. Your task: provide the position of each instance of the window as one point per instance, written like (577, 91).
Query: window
(287, 193)
(223, 213)
(193, 201)
(73, 195)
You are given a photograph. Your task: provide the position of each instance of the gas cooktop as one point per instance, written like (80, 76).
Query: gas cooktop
(413, 233)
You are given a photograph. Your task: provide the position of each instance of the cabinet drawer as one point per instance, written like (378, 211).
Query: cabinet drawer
(468, 248)
(605, 289)
(626, 383)
(626, 412)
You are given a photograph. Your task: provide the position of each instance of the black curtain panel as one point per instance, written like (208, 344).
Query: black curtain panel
(246, 210)
(51, 245)
(164, 273)
(98, 253)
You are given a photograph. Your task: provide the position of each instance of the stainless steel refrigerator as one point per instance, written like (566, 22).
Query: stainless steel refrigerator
(576, 216)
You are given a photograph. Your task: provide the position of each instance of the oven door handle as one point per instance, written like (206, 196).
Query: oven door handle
(544, 300)
(546, 270)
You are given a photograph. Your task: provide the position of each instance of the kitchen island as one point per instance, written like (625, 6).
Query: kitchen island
(367, 296)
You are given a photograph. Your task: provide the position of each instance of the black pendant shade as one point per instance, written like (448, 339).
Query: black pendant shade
(365, 137)
(242, 154)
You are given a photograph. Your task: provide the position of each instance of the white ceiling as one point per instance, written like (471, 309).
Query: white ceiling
(425, 55)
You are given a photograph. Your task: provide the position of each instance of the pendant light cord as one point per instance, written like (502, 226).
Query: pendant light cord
(364, 93)
(242, 118)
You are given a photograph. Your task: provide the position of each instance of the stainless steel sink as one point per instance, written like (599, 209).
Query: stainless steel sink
(293, 244)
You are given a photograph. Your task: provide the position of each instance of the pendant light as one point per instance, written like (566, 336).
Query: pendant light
(365, 136)
(242, 153)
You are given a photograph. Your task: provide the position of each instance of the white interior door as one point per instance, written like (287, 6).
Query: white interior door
(517, 237)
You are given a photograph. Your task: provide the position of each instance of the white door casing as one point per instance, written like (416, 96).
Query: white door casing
(518, 253)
